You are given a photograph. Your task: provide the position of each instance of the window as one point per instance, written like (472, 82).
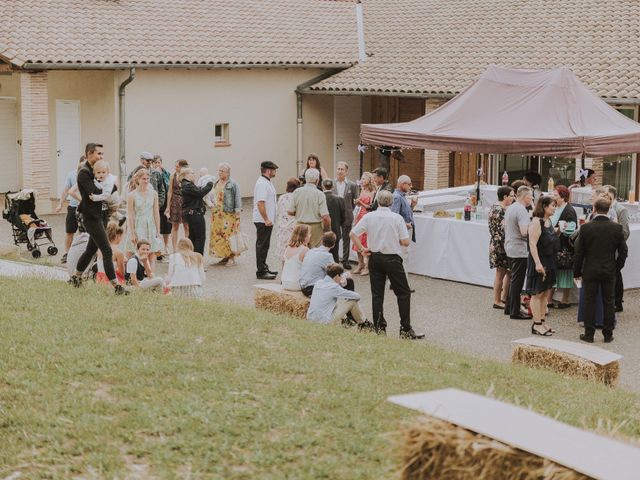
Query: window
(221, 135)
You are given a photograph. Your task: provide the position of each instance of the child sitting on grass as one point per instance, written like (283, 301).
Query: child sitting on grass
(186, 271)
(139, 273)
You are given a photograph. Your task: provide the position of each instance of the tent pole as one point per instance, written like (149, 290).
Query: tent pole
(361, 163)
(479, 165)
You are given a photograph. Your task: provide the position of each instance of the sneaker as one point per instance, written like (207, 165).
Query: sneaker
(120, 290)
(63, 260)
(366, 326)
(348, 322)
(410, 335)
(75, 281)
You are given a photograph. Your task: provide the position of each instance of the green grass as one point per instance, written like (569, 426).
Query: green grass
(155, 386)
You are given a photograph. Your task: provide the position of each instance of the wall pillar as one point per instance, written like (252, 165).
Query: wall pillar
(36, 163)
(436, 162)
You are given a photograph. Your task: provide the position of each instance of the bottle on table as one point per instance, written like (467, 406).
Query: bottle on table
(550, 185)
(467, 210)
(505, 178)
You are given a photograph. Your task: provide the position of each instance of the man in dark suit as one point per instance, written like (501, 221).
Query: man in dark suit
(599, 252)
(381, 179)
(348, 191)
(335, 205)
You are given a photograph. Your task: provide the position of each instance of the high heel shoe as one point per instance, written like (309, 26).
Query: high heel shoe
(546, 333)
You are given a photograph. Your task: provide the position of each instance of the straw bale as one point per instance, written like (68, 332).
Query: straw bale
(565, 363)
(435, 449)
(283, 303)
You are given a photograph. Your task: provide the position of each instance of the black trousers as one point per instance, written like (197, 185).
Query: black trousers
(308, 290)
(518, 268)
(619, 293)
(381, 267)
(346, 243)
(263, 242)
(590, 287)
(335, 251)
(97, 241)
(197, 231)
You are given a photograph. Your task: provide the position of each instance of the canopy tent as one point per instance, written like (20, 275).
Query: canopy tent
(538, 112)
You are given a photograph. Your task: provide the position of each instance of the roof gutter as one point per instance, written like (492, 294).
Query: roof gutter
(121, 129)
(170, 66)
(300, 89)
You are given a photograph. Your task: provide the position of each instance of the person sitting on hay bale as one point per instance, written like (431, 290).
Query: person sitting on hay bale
(330, 302)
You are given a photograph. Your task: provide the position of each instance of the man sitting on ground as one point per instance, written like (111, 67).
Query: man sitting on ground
(330, 302)
(315, 263)
(139, 272)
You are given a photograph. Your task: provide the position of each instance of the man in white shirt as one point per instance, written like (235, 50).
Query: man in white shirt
(516, 231)
(330, 302)
(348, 191)
(264, 213)
(386, 233)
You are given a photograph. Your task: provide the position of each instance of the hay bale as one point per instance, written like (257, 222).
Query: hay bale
(432, 448)
(565, 363)
(289, 303)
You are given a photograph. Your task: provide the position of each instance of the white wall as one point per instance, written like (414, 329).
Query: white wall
(173, 113)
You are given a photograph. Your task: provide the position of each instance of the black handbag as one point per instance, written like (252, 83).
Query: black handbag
(565, 259)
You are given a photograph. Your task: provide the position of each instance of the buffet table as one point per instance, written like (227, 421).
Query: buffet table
(459, 250)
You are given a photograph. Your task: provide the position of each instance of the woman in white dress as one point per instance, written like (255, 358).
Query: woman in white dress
(143, 216)
(294, 255)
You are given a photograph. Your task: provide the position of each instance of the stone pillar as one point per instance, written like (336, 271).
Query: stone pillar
(36, 163)
(436, 162)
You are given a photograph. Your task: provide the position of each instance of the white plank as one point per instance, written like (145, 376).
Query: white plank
(585, 452)
(597, 355)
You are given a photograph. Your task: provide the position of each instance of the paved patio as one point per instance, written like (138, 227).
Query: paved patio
(454, 316)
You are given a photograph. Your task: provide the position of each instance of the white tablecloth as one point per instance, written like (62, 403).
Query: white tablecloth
(458, 250)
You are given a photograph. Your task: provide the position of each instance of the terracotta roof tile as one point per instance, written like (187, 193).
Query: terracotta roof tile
(435, 46)
(295, 32)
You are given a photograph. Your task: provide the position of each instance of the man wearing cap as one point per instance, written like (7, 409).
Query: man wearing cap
(264, 213)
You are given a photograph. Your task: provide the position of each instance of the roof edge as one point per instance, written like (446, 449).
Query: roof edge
(165, 66)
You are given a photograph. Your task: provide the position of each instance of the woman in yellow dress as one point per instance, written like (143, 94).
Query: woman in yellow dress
(225, 216)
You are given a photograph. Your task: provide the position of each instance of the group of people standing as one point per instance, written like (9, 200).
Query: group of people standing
(317, 213)
(539, 249)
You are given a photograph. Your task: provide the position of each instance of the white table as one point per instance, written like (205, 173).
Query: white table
(459, 250)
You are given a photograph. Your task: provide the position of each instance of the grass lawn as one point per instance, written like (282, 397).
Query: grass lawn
(148, 386)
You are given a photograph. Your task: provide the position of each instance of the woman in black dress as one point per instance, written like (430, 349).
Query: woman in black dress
(541, 266)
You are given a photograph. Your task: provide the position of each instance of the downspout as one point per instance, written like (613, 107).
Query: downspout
(121, 129)
(362, 53)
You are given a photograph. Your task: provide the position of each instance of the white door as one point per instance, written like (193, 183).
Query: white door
(67, 138)
(346, 134)
(8, 145)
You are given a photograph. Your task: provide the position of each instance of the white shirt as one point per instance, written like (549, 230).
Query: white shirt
(384, 231)
(264, 191)
(182, 275)
(341, 187)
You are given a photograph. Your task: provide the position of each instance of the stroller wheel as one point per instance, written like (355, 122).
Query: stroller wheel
(35, 253)
(29, 246)
(52, 250)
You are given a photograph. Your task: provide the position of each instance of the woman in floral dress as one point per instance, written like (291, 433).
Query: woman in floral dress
(225, 216)
(367, 191)
(497, 255)
(143, 216)
(285, 222)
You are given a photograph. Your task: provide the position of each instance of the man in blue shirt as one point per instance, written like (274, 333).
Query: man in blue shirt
(330, 302)
(404, 208)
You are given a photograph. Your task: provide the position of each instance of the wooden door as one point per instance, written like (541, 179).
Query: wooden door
(463, 167)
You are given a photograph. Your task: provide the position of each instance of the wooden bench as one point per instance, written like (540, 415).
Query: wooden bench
(568, 358)
(274, 298)
(467, 436)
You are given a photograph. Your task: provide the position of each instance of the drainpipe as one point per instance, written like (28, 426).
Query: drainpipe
(121, 129)
(362, 54)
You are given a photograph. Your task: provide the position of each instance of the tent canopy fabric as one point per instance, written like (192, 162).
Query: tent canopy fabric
(541, 112)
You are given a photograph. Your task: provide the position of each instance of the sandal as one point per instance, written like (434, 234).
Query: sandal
(365, 271)
(357, 270)
(546, 333)
(549, 329)
(563, 305)
(224, 261)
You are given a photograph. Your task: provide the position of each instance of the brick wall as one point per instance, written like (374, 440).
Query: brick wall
(436, 162)
(36, 164)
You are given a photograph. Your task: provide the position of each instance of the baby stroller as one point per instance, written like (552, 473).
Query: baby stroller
(20, 212)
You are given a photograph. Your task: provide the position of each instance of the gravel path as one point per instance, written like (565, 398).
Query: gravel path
(456, 316)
